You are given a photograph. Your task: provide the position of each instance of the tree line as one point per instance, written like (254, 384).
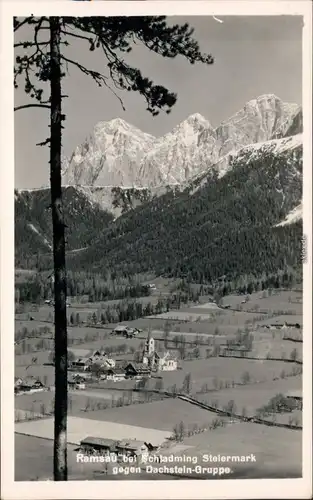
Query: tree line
(88, 287)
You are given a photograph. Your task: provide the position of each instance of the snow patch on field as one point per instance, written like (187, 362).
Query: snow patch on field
(182, 316)
(80, 428)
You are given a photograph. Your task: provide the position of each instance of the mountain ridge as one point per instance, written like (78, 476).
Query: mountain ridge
(119, 154)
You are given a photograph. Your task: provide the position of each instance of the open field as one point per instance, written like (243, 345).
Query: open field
(20, 415)
(209, 306)
(80, 401)
(24, 363)
(278, 451)
(273, 343)
(32, 324)
(280, 320)
(80, 428)
(23, 275)
(285, 418)
(251, 397)
(181, 315)
(278, 301)
(221, 322)
(205, 371)
(158, 414)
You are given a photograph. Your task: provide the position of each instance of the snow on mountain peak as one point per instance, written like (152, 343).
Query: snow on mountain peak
(197, 118)
(287, 146)
(117, 153)
(268, 97)
(180, 154)
(260, 120)
(117, 125)
(111, 155)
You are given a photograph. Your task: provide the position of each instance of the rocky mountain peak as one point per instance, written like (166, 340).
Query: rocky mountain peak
(119, 154)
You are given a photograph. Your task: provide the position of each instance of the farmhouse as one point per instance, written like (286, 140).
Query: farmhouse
(119, 330)
(102, 359)
(75, 382)
(82, 376)
(126, 331)
(81, 364)
(137, 370)
(96, 444)
(296, 396)
(83, 359)
(29, 384)
(91, 445)
(115, 374)
(131, 447)
(18, 381)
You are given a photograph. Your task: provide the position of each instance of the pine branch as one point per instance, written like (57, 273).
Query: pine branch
(75, 35)
(96, 76)
(25, 44)
(37, 29)
(44, 143)
(25, 21)
(24, 106)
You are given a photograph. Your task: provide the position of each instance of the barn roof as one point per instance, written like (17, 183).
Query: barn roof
(115, 371)
(98, 441)
(140, 367)
(120, 328)
(130, 444)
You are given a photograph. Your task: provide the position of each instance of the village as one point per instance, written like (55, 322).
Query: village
(86, 365)
(170, 383)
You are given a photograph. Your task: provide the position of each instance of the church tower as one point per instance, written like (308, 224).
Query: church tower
(149, 350)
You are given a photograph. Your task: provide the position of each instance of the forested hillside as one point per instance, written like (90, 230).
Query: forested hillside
(226, 226)
(33, 226)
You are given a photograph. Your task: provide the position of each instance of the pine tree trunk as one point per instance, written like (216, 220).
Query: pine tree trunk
(60, 404)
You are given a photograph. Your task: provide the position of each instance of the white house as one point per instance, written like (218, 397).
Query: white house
(82, 364)
(101, 358)
(116, 374)
(167, 362)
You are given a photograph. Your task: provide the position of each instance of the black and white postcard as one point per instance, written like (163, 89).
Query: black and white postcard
(156, 261)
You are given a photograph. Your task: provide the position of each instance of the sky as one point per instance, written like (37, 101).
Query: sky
(252, 56)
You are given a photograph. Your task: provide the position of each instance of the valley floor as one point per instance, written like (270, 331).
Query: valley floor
(240, 385)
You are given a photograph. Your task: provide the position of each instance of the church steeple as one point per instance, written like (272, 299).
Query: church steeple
(149, 349)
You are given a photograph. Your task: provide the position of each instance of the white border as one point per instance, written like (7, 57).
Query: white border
(287, 488)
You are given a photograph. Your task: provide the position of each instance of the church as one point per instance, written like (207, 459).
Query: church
(157, 361)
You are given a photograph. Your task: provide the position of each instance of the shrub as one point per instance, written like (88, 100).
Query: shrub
(217, 422)
(294, 355)
(230, 407)
(246, 378)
